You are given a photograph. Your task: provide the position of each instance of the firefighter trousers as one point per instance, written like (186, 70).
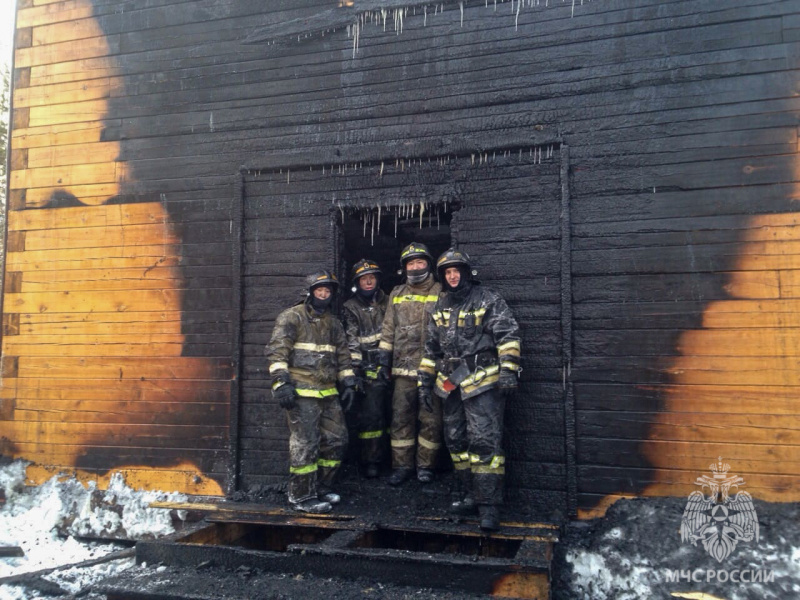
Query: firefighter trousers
(406, 440)
(374, 416)
(473, 432)
(317, 443)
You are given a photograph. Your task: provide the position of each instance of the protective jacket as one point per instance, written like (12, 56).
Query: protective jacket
(309, 351)
(404, 326)
(363, 321)
(477, 331)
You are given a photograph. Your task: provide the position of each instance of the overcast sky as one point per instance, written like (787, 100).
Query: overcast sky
(6, 29)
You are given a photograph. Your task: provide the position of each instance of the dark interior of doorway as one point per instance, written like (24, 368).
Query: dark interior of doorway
(364, 238)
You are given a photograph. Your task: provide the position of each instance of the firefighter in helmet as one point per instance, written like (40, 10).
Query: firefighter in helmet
(401, 345)
(471, 362)
(307, 355)
(363, 318)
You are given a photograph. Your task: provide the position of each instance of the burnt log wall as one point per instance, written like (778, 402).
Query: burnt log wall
(681, 122)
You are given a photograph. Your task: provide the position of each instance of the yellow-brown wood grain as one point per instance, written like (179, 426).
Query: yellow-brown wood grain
(45, 136)
(75, 154)
(92, 47)
(95, 258)
(44, 95)
(755, 362)
(85, 302)
(116, 214)
(170, 391)
(120, 367)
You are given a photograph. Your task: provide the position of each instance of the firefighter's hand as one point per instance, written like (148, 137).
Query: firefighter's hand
(508, 382)
(361, 379)
(347, 398)
(383, 378)
(286, 396)
(425, 398)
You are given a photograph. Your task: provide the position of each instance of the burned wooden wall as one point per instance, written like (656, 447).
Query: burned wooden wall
(671, 340)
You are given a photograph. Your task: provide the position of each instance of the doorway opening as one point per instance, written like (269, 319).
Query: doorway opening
(379, 234)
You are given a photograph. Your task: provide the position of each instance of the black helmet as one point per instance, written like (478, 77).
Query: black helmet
(415, 250)
(322, 277)
(364, 267)
(454, 258)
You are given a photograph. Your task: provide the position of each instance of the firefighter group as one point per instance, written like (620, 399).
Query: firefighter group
(427, 367)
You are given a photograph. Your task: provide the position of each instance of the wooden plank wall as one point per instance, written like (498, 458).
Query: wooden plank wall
(681, 118)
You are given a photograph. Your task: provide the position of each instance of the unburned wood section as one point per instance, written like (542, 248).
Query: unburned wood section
(104, 382)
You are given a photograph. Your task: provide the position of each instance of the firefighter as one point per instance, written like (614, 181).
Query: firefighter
(307, 354)
(400, 350)
(363, 317)
(471, 361)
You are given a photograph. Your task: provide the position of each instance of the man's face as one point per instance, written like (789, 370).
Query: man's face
(368, 282)
(321, 292)
(453, 276)
(415, 264)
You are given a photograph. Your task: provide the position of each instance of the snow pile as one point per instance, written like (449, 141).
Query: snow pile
(45, 521)
(636, 552)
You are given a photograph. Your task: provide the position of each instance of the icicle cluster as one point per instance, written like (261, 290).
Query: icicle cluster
(424, 214)
(397, 16)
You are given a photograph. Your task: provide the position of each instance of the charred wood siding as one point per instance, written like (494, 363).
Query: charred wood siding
(681, 118)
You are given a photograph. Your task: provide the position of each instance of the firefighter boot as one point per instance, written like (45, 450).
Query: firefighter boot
(398, 476)
(329, 496)
(490, 517)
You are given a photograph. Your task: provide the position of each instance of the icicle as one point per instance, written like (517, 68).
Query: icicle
(288, 175)
(381, 173)
(516, 19)
(384, 14)
(425, 18)
(461, 6)
(364, 220)
(573, 9)
(379, 217)
(372, 233)
(396, 212)
(472, 158)
(421, 212)
(495, 5)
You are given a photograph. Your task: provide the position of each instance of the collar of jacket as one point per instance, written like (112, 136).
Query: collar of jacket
(458, 299)
(311, 314)
(376, 299)
(429, 282)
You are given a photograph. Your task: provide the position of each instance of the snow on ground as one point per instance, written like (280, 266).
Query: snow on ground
(636, 552)
(46, 520)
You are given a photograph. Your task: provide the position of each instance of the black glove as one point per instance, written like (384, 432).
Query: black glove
(286, 396)
(383, 378)
(361, 379)
(508, 382)
(425, 398)
(347, 397)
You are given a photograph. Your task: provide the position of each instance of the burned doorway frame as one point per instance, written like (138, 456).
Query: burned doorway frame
(465, 151)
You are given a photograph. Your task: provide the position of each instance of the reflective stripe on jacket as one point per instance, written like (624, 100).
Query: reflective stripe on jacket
(309, 351)
(405, 325)
(362, 325)
(479, 330)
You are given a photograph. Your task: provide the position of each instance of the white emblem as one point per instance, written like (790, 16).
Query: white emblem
(718, 520)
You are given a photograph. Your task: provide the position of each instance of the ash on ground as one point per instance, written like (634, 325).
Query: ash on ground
(634, 552)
